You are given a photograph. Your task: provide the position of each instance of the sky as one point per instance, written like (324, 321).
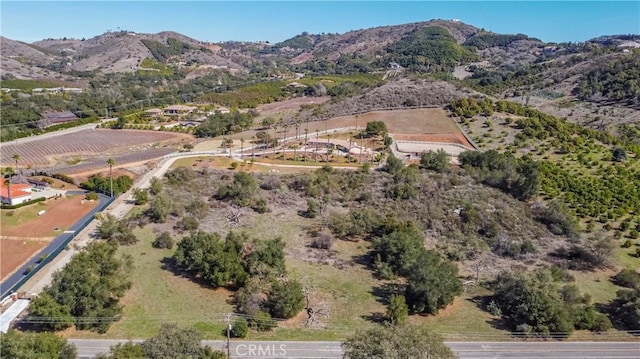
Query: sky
(274, 21)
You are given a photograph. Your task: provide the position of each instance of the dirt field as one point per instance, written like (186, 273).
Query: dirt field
(60, 213)
(290, 104)
(428, 121)
(15, 251)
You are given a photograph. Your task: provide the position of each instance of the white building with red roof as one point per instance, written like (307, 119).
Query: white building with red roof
(15, 193)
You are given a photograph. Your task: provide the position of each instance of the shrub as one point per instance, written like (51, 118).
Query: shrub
(261, 206)
(397, 311)
(239, 328)
(323, 241)
(627, 244)
(314, 208)
(92, 196)
(270, 183)
(23, 204)
(285, 299)
(188, 224)
(164, 240)
(29, 269)
(262, 322)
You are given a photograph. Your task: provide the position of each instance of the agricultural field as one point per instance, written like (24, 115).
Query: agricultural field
(24, 232)
(72, 148)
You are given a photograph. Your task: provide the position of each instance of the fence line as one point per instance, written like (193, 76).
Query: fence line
(52, 254)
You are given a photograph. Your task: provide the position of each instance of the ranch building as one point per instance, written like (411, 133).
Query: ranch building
(15, 194)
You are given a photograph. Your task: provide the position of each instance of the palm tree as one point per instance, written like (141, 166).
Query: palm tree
(7, 183)
(275, 140)
(16, 157)
(328, 146)
(111, 162)
(315, 156)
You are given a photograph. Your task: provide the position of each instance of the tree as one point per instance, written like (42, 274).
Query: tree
(398, 310)
(164, 240)
(217, 262)
(627, 307)
(173, 342)
(7, 184)
(44, 345)
(432, 283)
(89, 287)
(140, 196)
(375, 128)
(241, 191)
(111, 162)
(155, 186)
(618, 154)
(113, 229)
(240, 328)
(159, 208)
(435, 161)
(55, 316)
(393, 165)
(128, 350)
(16, 157)
(532, 302)
(396, 342)
(285, 299)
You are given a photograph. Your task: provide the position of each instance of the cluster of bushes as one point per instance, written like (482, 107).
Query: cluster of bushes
(615, 80)
(249, 96)
(253, 267)
(429, 49)
(17, 344)
(63, 177)
(171, 342)
(241, 192)
(626, 307)
(116, 231)
(223, 123)
(536, 304)
(162, 52)
(85, 293)
(97, 183)
(484, 40)
(519, 177)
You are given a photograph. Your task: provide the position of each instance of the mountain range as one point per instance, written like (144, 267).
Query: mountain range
(124, 51)
(603, 71)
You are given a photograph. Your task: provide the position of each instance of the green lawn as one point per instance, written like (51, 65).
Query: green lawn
(15, 217)
(159, 296)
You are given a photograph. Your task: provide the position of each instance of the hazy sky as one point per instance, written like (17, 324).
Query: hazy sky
(276, 21)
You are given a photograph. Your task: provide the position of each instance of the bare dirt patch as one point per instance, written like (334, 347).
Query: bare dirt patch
(290, 104)
(60, 213)
(14, 252)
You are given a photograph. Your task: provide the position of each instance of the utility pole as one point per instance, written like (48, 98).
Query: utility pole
(228, 335)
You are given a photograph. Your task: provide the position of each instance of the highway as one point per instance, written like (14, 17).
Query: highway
(89, 348)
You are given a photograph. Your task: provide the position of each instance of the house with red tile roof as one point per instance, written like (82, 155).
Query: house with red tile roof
(15, 193)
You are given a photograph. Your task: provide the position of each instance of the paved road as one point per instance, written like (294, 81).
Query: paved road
(88, 348)
(7, 285)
